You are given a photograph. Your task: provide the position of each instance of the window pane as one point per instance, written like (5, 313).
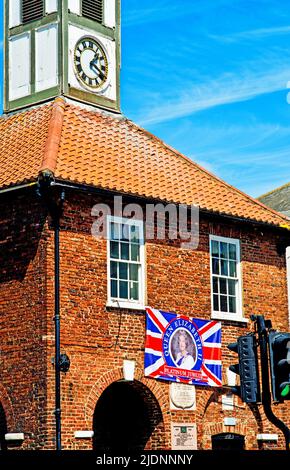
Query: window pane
(123, 270)
(114, 288)
(224, 250)
(134, 288)
(215, 285)
(233, 270)
(216, 303)
(114, 250)
(215, 248)
(135, 234)
(232, 251)
(124, 250)
(123, 290)
(125, 232)
(224, 268)
(134, 268)
(114, 231)
(215, 266)
(232, 305)
(135, 252)
(232, 287)
(223, 286)
(114, 269)
(224, 306)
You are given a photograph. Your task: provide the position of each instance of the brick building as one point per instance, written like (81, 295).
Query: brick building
(58, 160)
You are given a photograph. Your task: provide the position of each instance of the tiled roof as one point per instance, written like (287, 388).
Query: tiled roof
(93, 148)
(278, 199)
(23, 139)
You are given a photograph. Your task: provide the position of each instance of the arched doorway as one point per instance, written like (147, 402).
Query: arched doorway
(127, 418)
(3, 428)
(228, 441)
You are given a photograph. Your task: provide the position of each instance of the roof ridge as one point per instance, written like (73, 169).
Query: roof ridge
(53, 136)
(275, 190)
(209, 173)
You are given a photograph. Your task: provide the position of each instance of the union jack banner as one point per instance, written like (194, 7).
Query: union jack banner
(182, 349)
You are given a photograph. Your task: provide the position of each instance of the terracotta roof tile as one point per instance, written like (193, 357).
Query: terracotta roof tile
(23, 138)
(113, 153)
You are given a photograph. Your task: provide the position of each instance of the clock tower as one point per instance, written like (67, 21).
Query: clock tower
(62, 48)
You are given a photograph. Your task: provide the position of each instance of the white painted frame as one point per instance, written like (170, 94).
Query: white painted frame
(110, 13)
(119, 303)
(74, 6)
(18, 69)
(223, 315)
(14, 13)
(44, 35)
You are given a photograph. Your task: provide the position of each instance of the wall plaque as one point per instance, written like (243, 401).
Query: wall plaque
(182, 396)
(183, 436)
(228, 402)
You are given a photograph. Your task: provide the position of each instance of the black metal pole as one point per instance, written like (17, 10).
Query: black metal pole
(266, 395)
(57, 336)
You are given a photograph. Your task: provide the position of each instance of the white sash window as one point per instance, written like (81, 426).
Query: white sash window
(225, 278)
(126, 280)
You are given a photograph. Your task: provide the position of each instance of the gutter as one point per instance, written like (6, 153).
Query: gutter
(17, 188)
(101, 191)
(95, 190)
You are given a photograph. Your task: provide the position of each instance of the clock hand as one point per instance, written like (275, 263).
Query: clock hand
(95, 59)
(93, 64)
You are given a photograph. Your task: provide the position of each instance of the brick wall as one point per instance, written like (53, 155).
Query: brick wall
(98, 338)
(22, 320)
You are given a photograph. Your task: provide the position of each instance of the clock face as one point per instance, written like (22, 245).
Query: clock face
(91, 63)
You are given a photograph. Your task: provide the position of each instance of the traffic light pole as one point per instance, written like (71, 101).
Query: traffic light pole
(266, 394)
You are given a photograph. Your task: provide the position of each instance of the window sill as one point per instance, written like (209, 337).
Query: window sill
(125, 305)
(235, 318)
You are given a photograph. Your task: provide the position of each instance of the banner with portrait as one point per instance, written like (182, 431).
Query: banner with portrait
(182, 349)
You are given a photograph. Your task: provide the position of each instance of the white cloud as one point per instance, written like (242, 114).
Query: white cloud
(225, 89)
(252, 34)
(166, 9)
(205, 164)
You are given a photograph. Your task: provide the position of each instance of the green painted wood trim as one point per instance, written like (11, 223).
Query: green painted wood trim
(23, 28)
(64, 46)
(118, 54)
(34, 99)
(92, 25)
(90, 98)
(6, 57)
(32, 64)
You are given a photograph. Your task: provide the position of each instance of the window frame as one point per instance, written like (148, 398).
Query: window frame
(119, 303)
(238, 316)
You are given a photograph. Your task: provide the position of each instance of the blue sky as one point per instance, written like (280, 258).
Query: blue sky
(210, 77)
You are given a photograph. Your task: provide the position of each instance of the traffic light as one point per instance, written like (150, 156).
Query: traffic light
(279, 348)
(247, 368)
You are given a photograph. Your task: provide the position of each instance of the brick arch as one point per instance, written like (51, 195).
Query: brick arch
(211, 425)
(105, 380)
(219, 428)
(8, 408)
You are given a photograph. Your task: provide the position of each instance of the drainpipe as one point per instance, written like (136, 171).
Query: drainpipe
(57, 335)
(55, 206)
